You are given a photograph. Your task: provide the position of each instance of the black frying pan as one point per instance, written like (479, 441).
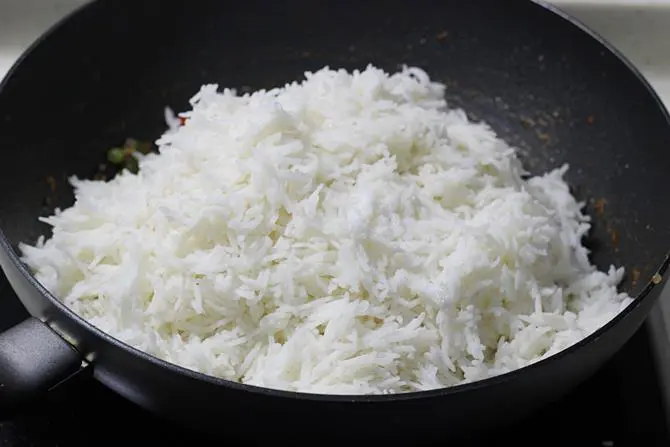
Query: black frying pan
(546, 84)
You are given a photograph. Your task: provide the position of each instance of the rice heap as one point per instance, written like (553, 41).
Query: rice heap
(347, 234)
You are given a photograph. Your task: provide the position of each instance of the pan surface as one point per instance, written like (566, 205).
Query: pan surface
(543, 83)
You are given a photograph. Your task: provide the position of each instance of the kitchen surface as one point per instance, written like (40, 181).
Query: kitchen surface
(623, 405)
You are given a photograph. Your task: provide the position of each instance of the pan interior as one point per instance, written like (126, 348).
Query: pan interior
(545, 86)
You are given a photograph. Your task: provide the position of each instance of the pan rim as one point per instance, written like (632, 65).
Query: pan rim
(346, 398)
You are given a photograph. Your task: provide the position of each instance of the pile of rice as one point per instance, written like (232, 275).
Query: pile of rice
(347, 234)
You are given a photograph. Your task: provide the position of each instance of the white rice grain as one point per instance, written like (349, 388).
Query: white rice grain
(345, 234)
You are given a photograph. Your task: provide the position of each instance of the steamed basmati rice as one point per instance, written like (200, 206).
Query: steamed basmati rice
(348, 234)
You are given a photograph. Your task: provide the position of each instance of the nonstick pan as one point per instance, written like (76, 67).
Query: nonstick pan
(545, 83)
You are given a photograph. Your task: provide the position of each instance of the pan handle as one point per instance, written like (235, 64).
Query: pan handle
(33, 359)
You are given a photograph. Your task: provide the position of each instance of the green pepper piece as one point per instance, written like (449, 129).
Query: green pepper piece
(116, 155)
(132, 165)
